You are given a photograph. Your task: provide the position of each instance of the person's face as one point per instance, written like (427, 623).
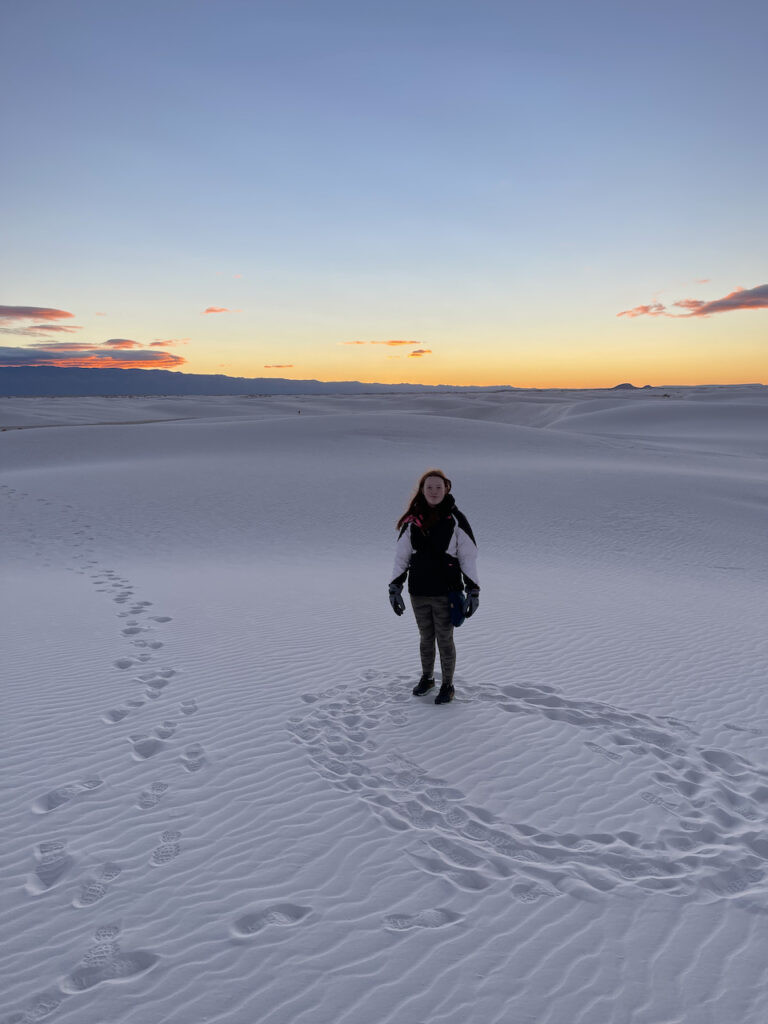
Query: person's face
(434, 490)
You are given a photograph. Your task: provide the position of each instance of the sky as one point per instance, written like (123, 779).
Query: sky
(550, 194)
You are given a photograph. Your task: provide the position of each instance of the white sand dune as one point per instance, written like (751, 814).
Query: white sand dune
(222, 803)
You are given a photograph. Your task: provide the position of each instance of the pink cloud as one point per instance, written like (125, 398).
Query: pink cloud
(420, 352)
(393, 343)
(278, 366)
(741, 298)
(33, 313)
(88, 356)
(655, 309)
(221, 309)
(80, 346)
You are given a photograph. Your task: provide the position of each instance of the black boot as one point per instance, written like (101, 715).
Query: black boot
(445, 696)
(423, 686)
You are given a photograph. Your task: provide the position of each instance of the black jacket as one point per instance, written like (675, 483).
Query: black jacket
(439, 559)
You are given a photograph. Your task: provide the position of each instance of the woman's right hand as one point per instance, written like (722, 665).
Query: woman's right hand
(396, 598)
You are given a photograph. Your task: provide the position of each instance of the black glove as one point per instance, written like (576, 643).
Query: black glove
(396, 598)
(471, 603)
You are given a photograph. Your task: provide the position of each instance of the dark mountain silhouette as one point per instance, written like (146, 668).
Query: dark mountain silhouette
(40, 381)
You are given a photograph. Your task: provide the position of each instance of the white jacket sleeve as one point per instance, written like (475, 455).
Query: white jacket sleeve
(466, 552)
(403, 553)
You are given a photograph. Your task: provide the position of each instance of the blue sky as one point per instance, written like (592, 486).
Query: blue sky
(491, 182)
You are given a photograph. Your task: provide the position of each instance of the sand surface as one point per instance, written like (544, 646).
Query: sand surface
(221, 802)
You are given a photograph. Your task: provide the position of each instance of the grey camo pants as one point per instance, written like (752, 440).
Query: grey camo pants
(433, 617)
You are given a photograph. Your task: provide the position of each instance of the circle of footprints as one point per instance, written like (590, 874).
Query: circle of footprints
(712, 847)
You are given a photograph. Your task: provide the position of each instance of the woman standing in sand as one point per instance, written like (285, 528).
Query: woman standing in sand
(436, 550)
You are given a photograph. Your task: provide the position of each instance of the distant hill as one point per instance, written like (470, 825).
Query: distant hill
(45, 381)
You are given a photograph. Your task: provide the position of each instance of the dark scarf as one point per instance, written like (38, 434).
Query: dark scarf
(425, 516)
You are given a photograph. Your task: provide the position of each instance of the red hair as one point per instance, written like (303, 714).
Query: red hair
(418, 506)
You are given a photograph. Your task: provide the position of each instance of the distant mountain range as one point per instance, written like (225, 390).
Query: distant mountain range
(71, 381)
(42, 381)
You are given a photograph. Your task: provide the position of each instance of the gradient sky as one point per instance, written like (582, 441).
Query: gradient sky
(565, 193)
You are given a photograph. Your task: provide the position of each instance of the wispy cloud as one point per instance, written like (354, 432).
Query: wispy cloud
(278, 366)
(653, 309)
(420, 352)
(79, 346)
(121, 343)
(14, 316)
(40, 330)
(741, 298)
(220, 309)
(393, 343)
(168, 342)
(33, 313)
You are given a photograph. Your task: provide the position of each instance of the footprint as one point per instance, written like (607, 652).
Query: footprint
(277, 913)
(168, 849)
(652, 798)
(193, 758)
(96, 888)
(53, 863)
(105, 961)
(124, 663)
(437, 918)
(610, 755)
(115, 715)
(56, 798)
(188, 707)
(154, 686)
(157, 680)
(145, 746)
(151, 797)
(40, 1007)
(64, 794)
(161, 618)
(529, 892)
(742, 728)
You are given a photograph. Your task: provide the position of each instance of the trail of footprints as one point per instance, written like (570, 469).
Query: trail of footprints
(713, 845)
(48, 527)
